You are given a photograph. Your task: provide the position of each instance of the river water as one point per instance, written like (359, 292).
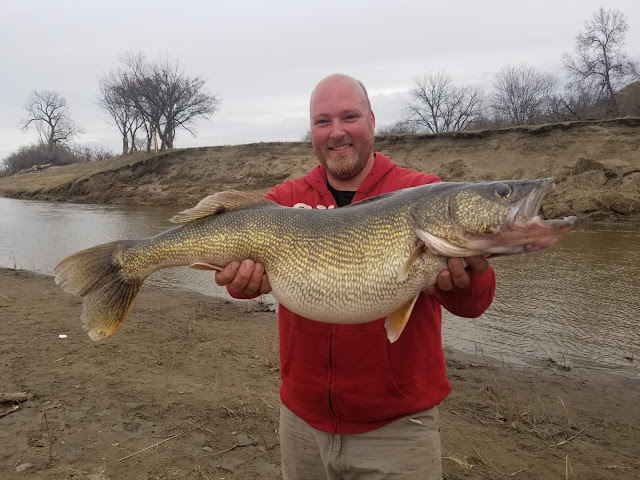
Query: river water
(577, 303)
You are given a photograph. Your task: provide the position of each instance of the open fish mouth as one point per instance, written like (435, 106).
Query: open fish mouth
(527, 214)
(526, 230)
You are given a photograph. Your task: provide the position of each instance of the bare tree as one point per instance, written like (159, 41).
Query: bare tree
(137, 86)
(441, 106)
(164, 97)
(599, 59)
(114, 98)
(577, 102)
(184, 100)
(47, 111)
(521, 94)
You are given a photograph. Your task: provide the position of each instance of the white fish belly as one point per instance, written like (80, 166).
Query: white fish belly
(357, 303)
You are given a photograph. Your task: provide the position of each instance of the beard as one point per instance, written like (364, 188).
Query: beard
(345, 166)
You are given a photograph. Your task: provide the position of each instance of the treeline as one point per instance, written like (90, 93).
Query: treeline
(149, 102)
(602, 83)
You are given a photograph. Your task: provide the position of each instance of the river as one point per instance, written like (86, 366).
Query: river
(577, 303)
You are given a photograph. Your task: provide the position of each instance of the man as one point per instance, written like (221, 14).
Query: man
(354, 405)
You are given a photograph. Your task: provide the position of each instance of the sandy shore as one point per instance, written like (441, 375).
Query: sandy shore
(188, 389)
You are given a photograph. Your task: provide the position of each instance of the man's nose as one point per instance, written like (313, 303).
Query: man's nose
(337, 130)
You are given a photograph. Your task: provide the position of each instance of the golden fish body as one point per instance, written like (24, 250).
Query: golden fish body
(341, 266)
(347, 265)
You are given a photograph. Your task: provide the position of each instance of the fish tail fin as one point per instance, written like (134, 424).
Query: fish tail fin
(96, 274)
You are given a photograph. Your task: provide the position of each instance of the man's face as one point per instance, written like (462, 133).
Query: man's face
(342, 126)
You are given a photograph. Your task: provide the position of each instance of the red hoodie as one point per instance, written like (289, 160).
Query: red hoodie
(349, 378)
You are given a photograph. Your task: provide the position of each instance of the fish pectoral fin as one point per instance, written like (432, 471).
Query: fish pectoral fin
(205, 266)
(395, 323)
(415, 255)
(221, 202)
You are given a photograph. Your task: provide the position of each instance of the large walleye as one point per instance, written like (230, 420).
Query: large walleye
(349, 265)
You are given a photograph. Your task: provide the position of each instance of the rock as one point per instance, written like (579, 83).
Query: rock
(24, 466)
(557, 209)
(244, 439)
(620, 203)
(584, 205)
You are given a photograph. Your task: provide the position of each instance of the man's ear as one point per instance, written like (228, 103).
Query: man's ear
(373, 119)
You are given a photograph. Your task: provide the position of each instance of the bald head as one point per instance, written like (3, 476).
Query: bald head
(340, 83)
(342, 126)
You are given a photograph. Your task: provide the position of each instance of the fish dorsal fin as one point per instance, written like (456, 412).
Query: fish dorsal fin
(395, 322)
(370, 199)
(221, 202)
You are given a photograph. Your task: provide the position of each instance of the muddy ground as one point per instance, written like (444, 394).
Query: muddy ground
(188, 389)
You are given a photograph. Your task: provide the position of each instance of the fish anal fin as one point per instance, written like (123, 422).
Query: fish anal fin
(221, 202)
(205, 266)
(395, 322)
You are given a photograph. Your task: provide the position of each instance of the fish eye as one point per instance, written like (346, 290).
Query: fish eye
(503, 190)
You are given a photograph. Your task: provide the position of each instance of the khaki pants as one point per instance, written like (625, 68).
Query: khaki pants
(408, 448)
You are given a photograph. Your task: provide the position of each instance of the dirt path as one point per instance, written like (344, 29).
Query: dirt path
(188, 389)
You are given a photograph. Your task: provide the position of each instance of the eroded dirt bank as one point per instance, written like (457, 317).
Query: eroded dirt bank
(596, 166)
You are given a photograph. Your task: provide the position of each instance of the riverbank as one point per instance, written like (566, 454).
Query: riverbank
(596, 166)
(198, 377)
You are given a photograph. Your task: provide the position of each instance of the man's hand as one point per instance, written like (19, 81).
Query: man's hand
(457, 276)
(247, 277)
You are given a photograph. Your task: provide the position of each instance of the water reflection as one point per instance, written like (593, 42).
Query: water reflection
(575, 303)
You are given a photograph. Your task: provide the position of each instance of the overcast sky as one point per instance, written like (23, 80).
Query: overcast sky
(263, 58)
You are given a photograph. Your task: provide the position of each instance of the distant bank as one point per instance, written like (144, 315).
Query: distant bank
(596, 166)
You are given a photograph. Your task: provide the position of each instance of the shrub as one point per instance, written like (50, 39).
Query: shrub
(43, 154)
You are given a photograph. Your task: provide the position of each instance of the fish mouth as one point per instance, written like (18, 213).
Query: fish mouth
(526, 230)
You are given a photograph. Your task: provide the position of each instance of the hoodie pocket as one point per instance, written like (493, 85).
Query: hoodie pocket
(364, 389)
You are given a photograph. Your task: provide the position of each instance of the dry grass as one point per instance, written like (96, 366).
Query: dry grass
(555, 427)
(586, 165)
